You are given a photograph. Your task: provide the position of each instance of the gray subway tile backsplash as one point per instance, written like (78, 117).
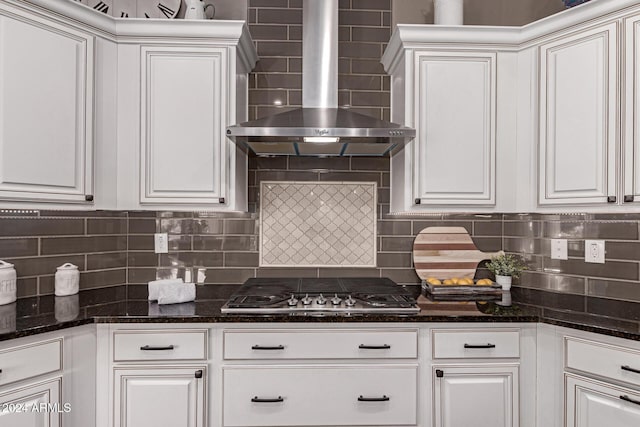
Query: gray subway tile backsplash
(226, 244)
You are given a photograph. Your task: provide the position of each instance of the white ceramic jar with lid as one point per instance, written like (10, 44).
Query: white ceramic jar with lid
(67, 280)
(7, 283)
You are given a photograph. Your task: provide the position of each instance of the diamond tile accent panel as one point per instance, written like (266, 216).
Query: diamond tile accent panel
(318, 224)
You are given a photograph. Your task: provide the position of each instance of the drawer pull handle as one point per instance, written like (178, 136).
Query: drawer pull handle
(374, 347)
(257, 399)
(384, 398)
(152, 348)
(479, 346)
(267, 347)
(623, 367)
(628, 399)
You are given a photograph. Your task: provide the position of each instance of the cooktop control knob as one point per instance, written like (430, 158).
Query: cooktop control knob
(307, 300)
(349, 302)
(321, 300)
(336, 300)
(293, 301)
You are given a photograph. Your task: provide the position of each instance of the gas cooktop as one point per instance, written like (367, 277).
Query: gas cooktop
(321, 297)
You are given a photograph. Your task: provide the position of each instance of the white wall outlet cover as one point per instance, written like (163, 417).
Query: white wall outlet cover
(594, 251)
(161, 243)
(559, 249)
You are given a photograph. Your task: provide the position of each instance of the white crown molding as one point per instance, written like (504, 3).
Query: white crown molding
(411, 36)
(136, 30)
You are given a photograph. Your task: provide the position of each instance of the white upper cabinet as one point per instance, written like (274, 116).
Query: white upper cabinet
(455, 110)
(578, 117)
(46, 109)
(631, 95)
(183, 134)
(460, 99)
(175, 101)
(120, 114)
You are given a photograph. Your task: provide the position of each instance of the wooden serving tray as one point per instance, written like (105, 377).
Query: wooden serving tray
(446, 252)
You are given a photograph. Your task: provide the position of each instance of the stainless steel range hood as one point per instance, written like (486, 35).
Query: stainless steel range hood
(320, 128)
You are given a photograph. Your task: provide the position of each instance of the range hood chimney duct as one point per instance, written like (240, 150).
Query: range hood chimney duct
(320, 128)
(319, 58)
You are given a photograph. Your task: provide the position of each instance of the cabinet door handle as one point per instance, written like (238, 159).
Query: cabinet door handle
(267, 347)
(198, 373)
(257, 399)
(374, 347)
(630, 400)
(629, 198)
(612, 199)
(384, 398)
(152, 348)
(479, 345)
(439, 373)
(623, 367)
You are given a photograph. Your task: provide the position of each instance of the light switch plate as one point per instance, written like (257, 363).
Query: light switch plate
(594, 251)
(559, 249)
(161, 243)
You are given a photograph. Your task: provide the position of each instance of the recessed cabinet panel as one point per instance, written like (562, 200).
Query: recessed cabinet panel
(159, 396)
(578, 112)
(456, 111)
(183, 140)
(27, 406)
(475, 396)
(631, 97)
(595, 404)
(46, 110)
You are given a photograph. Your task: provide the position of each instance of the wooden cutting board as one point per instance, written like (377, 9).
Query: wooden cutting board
(446, 252)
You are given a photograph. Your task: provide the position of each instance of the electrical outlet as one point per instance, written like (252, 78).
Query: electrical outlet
(559, 249)
(594, 251)
(161, 241)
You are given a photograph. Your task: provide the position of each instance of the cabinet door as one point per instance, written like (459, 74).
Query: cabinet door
(455, 124)
(183, 146)
(36, 405)
(159, 396)
(46, 109)
(631, 96)
(475, 395)
(578, 117)
(592, 403)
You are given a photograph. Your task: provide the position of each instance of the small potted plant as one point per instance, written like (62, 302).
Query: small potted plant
(505, 267)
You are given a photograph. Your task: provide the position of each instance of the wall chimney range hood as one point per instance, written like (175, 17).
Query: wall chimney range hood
(319, 128)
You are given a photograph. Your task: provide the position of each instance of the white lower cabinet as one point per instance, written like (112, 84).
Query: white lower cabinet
(591, 403)
(155, 376)
(160, 396)
(475, 395)
(348, 395)
(33, 405)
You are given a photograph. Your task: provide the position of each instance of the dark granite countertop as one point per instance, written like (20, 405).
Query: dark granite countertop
(128, 304)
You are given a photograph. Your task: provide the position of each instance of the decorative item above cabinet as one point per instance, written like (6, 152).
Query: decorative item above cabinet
(135, 8)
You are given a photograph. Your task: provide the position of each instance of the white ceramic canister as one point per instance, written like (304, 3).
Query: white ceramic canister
(67, 280)
(7, 283)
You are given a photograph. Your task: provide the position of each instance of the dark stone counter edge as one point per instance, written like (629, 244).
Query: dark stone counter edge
(327, 319)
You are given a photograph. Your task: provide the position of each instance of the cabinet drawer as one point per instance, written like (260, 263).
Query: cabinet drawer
(130, 345)
(19, 363)
(319, 395)
(320, 344)
(604, 360)
(475, 343)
